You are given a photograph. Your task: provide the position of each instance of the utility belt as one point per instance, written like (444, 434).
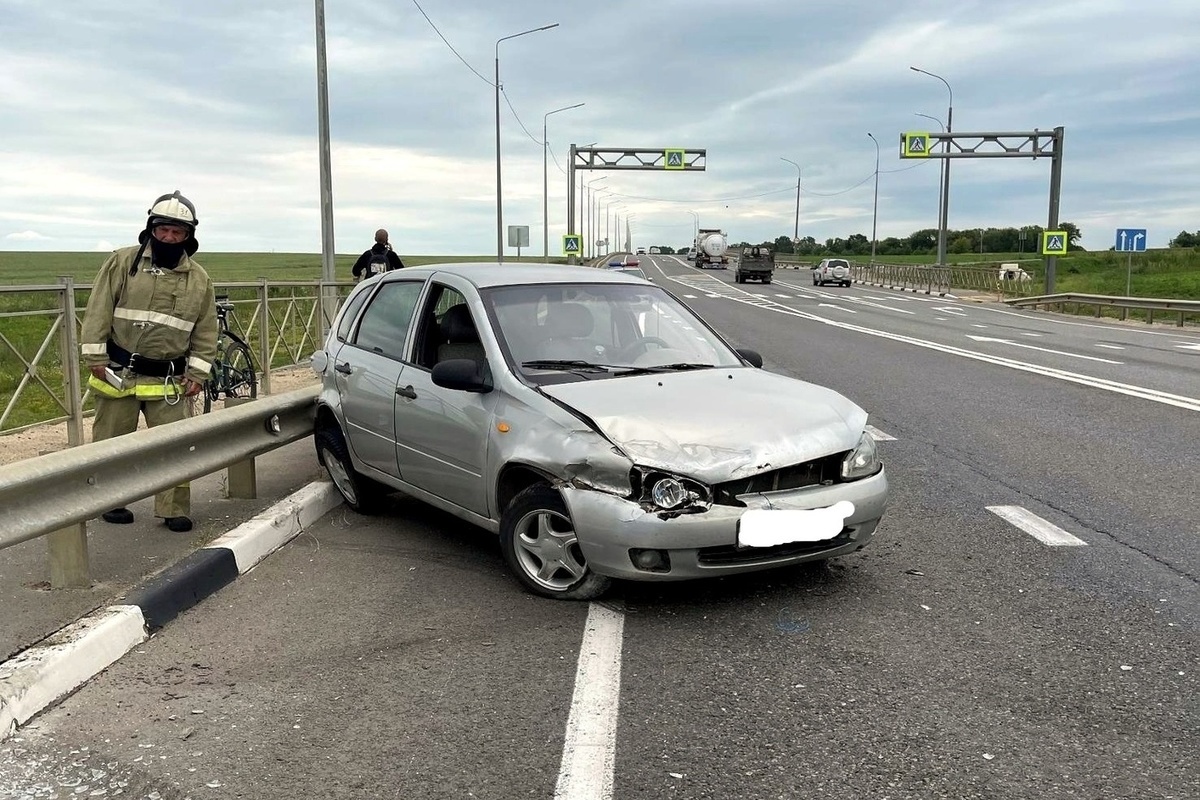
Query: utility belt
(141, 365)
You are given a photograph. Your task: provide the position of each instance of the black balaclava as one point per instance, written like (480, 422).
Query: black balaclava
(164, 255)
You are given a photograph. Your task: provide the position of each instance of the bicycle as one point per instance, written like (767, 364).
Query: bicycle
(232, 373)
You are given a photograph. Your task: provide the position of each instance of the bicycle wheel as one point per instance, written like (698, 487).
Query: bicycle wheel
(240, 379)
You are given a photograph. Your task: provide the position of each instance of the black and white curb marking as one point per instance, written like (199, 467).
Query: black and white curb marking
(38, 677)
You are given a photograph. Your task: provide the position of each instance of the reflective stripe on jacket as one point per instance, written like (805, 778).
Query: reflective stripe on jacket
(143, 389)
(157, 313)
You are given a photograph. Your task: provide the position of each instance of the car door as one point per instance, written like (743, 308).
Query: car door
(368, 370)
(442, 434)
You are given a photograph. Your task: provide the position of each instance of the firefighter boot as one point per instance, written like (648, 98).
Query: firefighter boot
(118, 516)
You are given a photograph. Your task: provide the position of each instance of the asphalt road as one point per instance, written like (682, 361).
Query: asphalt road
(956, 657)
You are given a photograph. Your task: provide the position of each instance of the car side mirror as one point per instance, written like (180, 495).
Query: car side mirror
(752, 356)
(462, 374)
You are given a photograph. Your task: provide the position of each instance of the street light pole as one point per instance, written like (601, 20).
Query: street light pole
(328, 259)
(499, 193)
(941, 168)
(875, 209)
(696, 228)
(546, 183)
(945, 212)
(590, 232)
(799, 175)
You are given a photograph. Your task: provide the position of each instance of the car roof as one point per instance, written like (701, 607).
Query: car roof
(486, 274)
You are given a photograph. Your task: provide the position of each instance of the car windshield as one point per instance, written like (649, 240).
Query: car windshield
(557, 332)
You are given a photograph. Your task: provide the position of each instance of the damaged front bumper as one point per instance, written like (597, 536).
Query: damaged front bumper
(613, 530)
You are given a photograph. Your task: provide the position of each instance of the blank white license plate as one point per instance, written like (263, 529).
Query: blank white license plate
(761, 527)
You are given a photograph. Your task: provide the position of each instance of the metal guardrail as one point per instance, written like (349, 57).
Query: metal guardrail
(1125, 304)
(282, 321)
(58, 492)
(928, 279)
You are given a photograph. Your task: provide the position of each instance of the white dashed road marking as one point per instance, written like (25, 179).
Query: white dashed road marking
(1110, 346)
(1045, 532)
(589, 750)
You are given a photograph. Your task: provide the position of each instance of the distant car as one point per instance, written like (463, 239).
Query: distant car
(641, 251)
(831, 270)
(691, 254)
(585, 418)
(635, 271)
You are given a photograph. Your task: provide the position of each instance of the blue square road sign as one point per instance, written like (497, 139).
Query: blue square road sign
(1131, 240)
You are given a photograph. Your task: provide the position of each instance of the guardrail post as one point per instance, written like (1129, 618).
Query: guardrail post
(1149, 316)
(264, 335)
(67, 547)
(241, 479)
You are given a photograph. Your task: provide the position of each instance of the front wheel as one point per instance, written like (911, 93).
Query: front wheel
(239, 378)
(542, 550)
(360, 493)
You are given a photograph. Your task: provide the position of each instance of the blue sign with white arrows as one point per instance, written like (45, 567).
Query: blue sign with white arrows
(1131, 240)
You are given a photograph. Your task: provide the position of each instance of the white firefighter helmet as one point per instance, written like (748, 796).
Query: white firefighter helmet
(173, 209)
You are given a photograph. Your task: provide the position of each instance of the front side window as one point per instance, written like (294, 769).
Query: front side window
(384, 325)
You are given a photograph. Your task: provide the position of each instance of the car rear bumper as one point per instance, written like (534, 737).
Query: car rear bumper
(705, 544)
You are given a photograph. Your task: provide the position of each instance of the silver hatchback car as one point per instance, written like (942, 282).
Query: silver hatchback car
(593, 421)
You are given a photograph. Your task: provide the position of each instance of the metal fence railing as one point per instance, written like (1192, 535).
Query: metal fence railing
(931, 279)
(1148, 306)
(41, 380)
(56, 493)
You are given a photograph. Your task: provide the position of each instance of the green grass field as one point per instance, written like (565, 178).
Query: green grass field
(1173, 273)
(43, 268)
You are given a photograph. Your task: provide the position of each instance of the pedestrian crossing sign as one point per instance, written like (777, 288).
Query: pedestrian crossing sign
(673, 159)
(916, 144)
(571, 244)
(1054, 243)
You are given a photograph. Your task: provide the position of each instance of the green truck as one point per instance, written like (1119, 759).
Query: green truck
(755, 264)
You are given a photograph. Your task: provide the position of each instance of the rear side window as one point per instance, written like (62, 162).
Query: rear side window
(343, 331)
(384, 325)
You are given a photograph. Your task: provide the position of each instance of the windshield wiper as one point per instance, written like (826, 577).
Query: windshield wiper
(566, 364)
(678, 367)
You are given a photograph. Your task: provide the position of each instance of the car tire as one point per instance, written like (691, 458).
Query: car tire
(360, 493)
(554, 567)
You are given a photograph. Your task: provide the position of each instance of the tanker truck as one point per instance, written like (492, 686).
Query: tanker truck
(712, 249)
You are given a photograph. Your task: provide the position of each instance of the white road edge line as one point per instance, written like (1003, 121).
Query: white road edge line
(589, 750)
(879, 435)
(1045, 532)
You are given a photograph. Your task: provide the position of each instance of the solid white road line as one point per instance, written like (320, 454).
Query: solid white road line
(879, 435)
(586, 771)
(1042, 349)
(1188, 345)
(1045, 532)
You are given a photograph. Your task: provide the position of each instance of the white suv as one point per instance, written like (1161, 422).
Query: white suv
(831, 270)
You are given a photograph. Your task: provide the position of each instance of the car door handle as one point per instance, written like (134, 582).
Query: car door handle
(343, 368)
(407, 391)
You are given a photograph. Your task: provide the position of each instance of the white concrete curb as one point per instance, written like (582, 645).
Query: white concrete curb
(41, 675)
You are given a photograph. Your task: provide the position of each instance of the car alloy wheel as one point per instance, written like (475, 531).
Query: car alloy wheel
(362, 494)
(542, 549)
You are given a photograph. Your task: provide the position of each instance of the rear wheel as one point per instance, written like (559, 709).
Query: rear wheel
(240, 379)
(360, 493)
(541, 548)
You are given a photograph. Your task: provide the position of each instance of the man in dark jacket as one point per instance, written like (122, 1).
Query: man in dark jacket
(380, 258)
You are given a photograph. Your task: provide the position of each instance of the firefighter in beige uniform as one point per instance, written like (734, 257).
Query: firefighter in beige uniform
(150, 336)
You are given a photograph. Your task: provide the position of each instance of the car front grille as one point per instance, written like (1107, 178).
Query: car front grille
(826, 470)
(728, 554)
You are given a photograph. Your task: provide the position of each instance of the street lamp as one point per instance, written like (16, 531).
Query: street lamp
(941, 168)
(499, 195)
(546, 183)
(875, 210)
(799, 175)
(590, 212)
(696, 229)
(945, 204)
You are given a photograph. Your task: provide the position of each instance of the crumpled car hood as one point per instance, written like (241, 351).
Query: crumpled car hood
(719, 424)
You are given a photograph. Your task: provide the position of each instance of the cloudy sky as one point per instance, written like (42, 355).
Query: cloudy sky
(104, 104)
